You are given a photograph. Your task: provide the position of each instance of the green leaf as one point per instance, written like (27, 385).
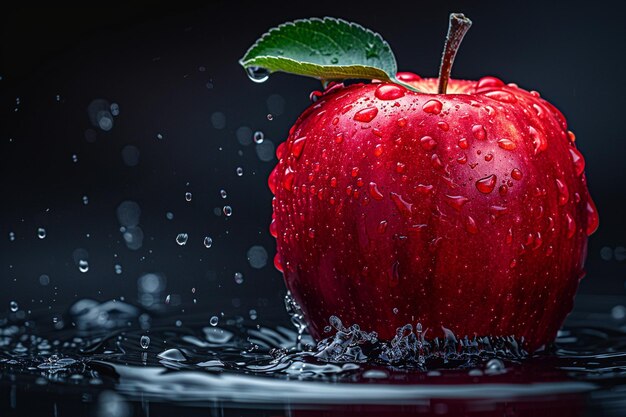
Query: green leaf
(327, 49)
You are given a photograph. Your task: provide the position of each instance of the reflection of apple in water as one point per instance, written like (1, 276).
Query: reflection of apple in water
(466, 208)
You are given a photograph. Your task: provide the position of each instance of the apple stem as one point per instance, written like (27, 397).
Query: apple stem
(459, 25)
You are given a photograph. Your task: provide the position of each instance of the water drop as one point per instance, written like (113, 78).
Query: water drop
(181, 239)
(228, 211)
(188, 196)
(578, 160)
(270, 117)
(486, 185)
(389, 92)
(83, 265)
(479, 132)
(463, 144)
(238, 278)
(593, 220)
(118, 269)
(501, 96)
(494, 366)
(13, 306)
(223, 193)
(11, 236)
(41, 233)
(618, 312)
(366, 115)
(571, 226)
(239, 171)
(432, 106)
(506, 144)
(144, 342)
(258, 74)
(208, 242)
(456, 201)
(470, 225)
(258, 137)
(516, 174)
(85, 200)
(375, 192)
(169, 215)
(403, 206)
(253, 314)
(428, 143)
(488, 83)
(75, 158)
(539, 140)
(563, 192)
(297, 146)
(213, 321)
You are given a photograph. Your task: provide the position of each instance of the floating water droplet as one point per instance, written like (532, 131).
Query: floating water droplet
(258, 74)
(181, 239)
(485, 185)
(13, 306)
(213, 321)
(389, 92)
(432, 106)
(270, 117)
(41, 233)
(223, 193)
(238, 278)
(11, 236)
(228, 211)
(208, 242)
(169, 215)
(85, 200)
(115, 109)
(188, 196)
(239, 171)
(258, 137)
(144, 342)
(74, 157)
(618, 312)
(44, 280)
(257, 257)
(83, 265)
(366, 115)
(118, 269)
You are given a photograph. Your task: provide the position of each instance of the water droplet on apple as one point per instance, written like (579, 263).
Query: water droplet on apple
(571, 226)
(578, 160)
(506, 144)
(436, 162)
(443, 126)
(497, 211)
(298, 146)
(470, 225)
(375, 192)
(516, 174)
(432, 106)
(378, 150)
(479, 132)
(485, 185)
(278, 263)
(428, 143)
(408, 76)
(366, 115)
(339, 138)
(389, 92)
(593, 220)
(540, 143)
(288, 179)
(462, 159)
(400, 167)
(258, 74)
(501, 96)
(382, 226)
(273, 229)
(456, 201)
(562, 191)
(403, 206)
(503, 190)
(315, 95)
(463, 143)
(488, 83)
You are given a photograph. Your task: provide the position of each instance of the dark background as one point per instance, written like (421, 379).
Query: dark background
(169, 68)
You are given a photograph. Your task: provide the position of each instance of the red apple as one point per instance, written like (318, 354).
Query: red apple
(467, 210)
(456, 204)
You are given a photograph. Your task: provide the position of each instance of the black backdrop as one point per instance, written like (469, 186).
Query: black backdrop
(173, 72)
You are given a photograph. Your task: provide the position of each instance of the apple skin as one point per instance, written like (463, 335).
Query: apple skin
(467, 210)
